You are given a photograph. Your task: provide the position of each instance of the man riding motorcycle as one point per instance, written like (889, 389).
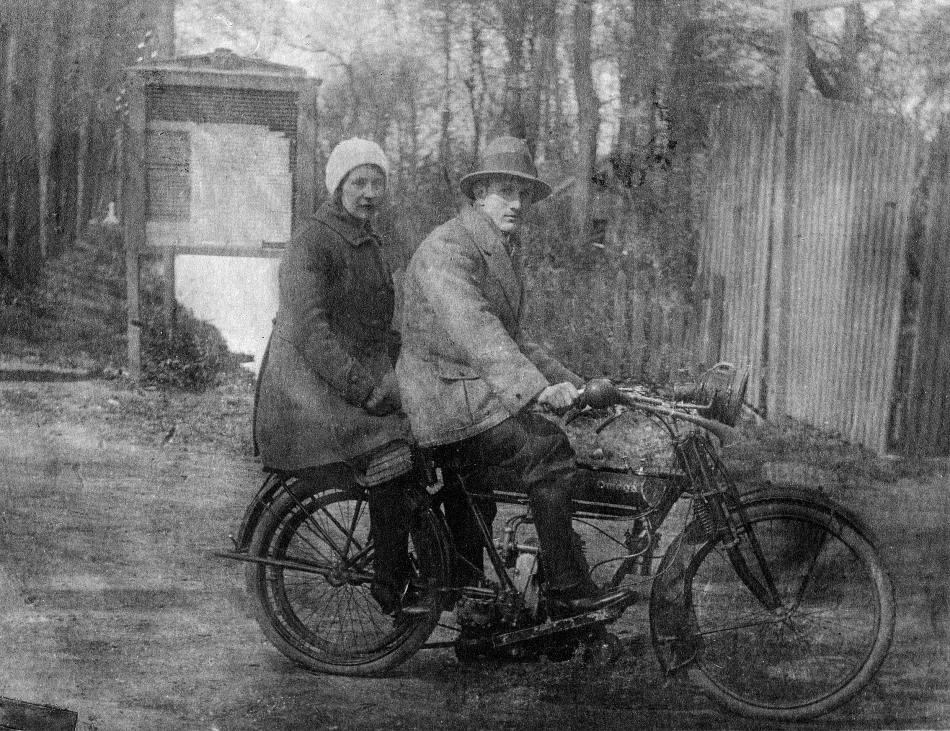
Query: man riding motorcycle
(468, 375)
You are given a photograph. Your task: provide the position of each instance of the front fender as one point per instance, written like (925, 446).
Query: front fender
(804, 496)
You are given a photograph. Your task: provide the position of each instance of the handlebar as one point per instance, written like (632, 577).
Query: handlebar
(601, 393)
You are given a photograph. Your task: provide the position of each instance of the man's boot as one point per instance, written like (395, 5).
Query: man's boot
(582, 598)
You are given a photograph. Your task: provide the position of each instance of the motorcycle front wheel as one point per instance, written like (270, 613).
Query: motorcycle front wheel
(312, 599)
(819, 639)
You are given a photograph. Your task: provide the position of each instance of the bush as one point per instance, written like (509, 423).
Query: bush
(191, 356)
(74, 315)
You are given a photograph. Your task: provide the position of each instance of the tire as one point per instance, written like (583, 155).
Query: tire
(827, 638)
(328, 621)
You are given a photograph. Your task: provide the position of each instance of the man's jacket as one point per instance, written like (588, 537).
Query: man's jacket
(332, 342)
(465, 366)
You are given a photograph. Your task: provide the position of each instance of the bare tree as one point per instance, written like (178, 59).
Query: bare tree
(841, 77)
(445, 115)
(637, 37)
(43, 111)
(543, 44)
(588, 115)
(11, 39)
(513, 19)
(476, 84)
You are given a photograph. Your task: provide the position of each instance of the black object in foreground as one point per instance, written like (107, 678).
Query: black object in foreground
(25, 716)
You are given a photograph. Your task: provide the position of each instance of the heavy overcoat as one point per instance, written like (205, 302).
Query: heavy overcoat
(465, 365)
(333, 341)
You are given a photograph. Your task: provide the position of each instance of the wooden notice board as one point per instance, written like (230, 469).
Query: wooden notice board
(219, 161)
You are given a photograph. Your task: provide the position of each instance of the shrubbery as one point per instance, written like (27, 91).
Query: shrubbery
(75, 315)
(191, 356)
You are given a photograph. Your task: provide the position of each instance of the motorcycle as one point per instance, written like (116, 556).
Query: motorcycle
(774, 602)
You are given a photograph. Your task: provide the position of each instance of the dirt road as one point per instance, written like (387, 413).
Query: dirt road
(111, 604)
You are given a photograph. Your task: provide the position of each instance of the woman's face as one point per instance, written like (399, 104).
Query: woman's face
(363, 191)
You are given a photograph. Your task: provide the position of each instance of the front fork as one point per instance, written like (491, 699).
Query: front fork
(721, 517)
(729, 524)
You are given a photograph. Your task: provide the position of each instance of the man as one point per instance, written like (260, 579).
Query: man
(468, 375)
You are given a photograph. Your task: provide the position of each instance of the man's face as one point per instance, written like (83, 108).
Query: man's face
(363, 191)
(506, 200)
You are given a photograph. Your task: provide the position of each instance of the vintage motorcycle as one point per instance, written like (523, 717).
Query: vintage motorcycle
(774, 602)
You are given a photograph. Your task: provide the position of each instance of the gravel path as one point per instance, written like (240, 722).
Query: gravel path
(111, 604)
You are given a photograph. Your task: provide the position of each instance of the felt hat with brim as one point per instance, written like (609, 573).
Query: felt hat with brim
(506, 156)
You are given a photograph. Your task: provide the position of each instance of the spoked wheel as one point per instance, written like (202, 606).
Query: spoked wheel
(313, 603)
(815, 625)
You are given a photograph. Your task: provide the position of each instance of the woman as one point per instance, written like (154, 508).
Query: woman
(327, 407)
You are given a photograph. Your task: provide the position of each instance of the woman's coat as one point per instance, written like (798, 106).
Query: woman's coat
(332, 342)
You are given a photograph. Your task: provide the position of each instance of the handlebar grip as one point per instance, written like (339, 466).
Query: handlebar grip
(598, 393)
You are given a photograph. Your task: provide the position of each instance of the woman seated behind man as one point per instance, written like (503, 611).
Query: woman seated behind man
(328, 402)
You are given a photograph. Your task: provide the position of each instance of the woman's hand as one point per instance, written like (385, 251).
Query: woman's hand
(384, 398)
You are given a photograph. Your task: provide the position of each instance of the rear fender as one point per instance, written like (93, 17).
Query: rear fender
(302, 484)
(274, 485)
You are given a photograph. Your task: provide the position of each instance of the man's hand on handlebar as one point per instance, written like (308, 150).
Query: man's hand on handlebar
(559, 396)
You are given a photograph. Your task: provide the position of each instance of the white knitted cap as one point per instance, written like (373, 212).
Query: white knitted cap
(351, 154)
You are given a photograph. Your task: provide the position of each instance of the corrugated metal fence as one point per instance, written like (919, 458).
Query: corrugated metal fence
(922, 411)
(862, 355)
(733, 264)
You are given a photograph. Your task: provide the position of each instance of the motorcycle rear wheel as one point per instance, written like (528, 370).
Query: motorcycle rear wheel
(316, 608)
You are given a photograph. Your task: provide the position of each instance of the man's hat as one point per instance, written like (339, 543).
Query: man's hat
(506, 156)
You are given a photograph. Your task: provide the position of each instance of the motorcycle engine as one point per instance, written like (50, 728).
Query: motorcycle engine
(476, 613)
(525, 579)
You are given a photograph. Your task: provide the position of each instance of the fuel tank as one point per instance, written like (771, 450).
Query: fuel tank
(602, 494)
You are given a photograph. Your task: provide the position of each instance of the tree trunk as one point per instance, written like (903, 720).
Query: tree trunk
(9, 172)
(157, 17)
(445, 120)
(43, 120)
(82, 155)
(542, 66)
(413, 109)
(476, 86)
(637, 38)
(851, 78)
(588, 117)
(512, 120)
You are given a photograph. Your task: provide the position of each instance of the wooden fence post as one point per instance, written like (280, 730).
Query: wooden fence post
(134, 220)
(576, 309)
(778, 283)
(620, 333)
(677, 337)
(598, 324)
(636, 349)
(656, 340)
(168, 291)
(305, 166)
(715, 317)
